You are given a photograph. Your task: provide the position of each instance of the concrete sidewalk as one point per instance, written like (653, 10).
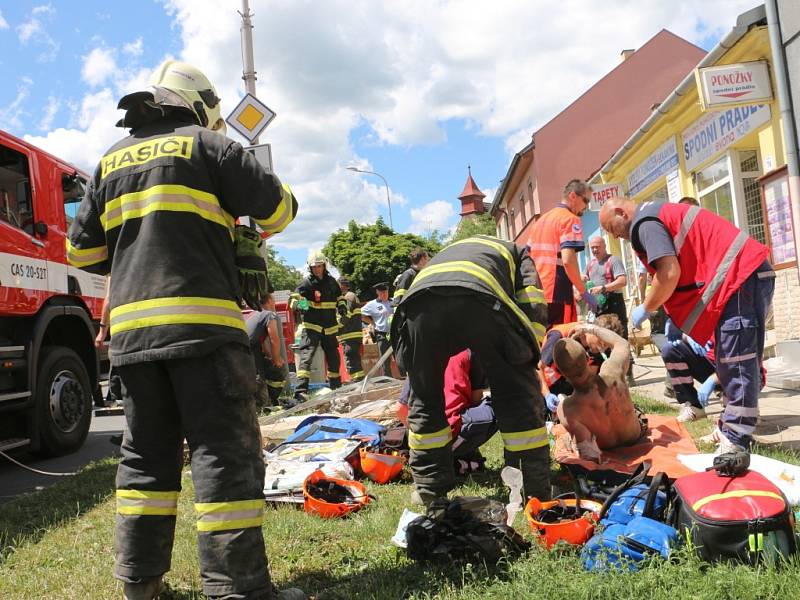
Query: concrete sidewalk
(780, 408)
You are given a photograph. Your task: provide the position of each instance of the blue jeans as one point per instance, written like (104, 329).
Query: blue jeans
(740, 350)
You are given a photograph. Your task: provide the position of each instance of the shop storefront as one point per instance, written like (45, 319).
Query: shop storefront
(705, 143)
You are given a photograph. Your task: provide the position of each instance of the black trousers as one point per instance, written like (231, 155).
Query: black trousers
(271, 377)
(310, 341)
(382, 339)
(352, 359)
(210, 402)
(435, 325)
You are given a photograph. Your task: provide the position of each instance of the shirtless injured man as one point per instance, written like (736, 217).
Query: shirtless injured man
(599, 415)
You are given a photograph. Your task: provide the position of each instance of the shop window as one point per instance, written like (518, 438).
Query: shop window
(751, 192)
(714, 188)
(16, 203)
(660, 195)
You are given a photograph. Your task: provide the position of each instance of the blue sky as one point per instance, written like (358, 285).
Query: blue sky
(415, 92)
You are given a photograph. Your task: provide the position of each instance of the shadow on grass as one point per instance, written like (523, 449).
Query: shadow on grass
(27, 518)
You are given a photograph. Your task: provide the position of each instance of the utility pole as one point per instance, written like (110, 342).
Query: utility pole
(248, 66)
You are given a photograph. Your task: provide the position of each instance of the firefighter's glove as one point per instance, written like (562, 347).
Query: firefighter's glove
(253, 280)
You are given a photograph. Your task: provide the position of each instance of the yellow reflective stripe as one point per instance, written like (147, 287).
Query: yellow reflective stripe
(301, 374)
(143, 502)
(332, 330)
(174, 145)
(516, 441)
(176, 311)
(333, 374)
(357, 374)
(540, 330)
(322, 304)
(319, 328)
(530, 295)
(222, 516)
(484, 275)
(400, 292)
(429, 441)
(167, 197)
(312, 327)
(282, 216)
(355, 335)
(735, 494)
(84, 257)
(276, 384)
(497, 246)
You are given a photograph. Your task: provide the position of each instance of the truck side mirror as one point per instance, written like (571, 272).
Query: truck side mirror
(40, 228)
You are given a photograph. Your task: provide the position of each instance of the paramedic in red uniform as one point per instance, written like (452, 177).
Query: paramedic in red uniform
(554, 243)
(713, 280)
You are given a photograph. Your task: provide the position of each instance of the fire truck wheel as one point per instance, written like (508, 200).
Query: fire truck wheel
(63, 401)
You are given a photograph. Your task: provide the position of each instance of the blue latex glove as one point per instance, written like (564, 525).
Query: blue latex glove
(705, 391)
(696, 348)
(672, 332)
(590, 300)
(552, 402)
(639, 315)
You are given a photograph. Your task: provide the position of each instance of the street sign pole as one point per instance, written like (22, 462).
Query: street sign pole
(249, 69)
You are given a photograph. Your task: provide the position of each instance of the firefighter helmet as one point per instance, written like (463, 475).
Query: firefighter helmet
(316, 257)
(182, 85)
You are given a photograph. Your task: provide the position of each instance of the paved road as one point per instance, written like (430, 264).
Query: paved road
(15, 481)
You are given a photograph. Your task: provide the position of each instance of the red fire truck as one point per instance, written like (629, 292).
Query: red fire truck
(49, 311)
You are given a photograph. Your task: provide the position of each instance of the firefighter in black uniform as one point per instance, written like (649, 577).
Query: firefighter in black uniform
(419, 258)
(319, 297)
(480, 293)
(160, 213)
(350, 335)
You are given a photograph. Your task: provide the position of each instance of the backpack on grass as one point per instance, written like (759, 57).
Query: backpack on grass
(744, 518)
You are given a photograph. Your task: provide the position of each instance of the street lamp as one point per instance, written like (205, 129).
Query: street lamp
(388, 200)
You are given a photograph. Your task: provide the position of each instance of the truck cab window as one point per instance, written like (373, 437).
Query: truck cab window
(73, 188)
(16, 203)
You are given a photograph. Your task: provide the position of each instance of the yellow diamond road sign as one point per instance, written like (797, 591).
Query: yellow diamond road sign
(250, 117)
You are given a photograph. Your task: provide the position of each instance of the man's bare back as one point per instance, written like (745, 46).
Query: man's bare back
(599, 414)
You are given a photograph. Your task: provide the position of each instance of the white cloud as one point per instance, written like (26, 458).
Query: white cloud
(50, 111)
(439, 215)
(3, 22)
(134, 48)
(33, 30)
(11, 114)
(98, 66)
(403, 69)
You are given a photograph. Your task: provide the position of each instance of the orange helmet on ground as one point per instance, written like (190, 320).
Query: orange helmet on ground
(379, 467)
(575, 531)
(330, 498)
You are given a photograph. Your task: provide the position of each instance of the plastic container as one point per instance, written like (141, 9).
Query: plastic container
(380, 467)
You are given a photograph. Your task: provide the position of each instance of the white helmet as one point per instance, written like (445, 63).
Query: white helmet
(316, 257)
(180, 84)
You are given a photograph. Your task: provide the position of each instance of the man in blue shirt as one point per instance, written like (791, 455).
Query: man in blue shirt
(377, 313)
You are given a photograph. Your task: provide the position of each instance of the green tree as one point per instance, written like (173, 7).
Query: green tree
(281, 275)
(369, 254)
(482, 224)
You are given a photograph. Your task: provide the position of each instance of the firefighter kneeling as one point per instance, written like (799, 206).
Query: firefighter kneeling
(481, 293)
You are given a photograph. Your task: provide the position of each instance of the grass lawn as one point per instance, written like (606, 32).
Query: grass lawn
(57, 544)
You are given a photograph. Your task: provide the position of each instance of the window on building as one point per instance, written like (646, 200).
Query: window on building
(660, 195)
(714, 188)
(16, 202)
(751, 191)
(522, 212)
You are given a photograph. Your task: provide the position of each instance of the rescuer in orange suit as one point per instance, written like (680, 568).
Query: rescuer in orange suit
(554, 243)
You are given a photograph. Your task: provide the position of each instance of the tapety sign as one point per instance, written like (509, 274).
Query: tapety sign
(603, 192)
